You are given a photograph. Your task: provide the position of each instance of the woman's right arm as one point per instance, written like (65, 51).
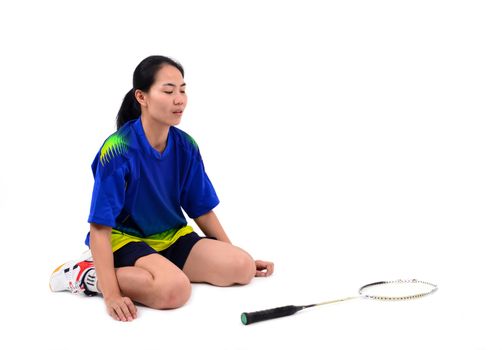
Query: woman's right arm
(119, 307)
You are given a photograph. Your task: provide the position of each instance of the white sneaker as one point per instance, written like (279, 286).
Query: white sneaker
(72, 275)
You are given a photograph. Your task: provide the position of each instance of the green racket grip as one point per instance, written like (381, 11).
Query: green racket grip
(263, 315)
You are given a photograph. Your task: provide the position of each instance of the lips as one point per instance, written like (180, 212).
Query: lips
(178, 111)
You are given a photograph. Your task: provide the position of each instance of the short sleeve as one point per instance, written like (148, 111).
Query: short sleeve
(108, 195)
(198, 195)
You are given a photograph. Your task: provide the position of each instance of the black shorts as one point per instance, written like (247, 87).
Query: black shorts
(177, 253)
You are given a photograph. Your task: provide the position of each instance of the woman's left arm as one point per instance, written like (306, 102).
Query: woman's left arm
(210, 225)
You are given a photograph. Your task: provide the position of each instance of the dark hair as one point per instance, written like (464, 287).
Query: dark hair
(143, 78)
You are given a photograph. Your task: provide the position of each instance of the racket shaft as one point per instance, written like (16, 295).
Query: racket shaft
(257, 316)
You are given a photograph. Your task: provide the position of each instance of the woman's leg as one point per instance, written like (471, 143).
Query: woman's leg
(219, 263)
(155, 282)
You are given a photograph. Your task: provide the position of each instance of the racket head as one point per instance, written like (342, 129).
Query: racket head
(397, 290)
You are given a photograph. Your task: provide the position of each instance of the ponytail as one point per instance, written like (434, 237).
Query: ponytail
(129, 110)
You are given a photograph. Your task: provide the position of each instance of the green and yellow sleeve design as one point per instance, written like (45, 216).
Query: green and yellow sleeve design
(116, 144)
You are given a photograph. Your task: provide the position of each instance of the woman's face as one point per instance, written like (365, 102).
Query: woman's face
(166, 99)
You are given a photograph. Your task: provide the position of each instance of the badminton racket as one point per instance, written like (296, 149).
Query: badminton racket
(385, 290)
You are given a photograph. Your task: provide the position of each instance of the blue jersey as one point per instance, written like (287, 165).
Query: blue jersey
(140, 191)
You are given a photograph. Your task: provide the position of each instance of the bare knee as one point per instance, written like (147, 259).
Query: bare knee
(244, 269)
(172, 293)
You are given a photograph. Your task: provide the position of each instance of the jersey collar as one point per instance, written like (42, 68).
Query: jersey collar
(138, 126)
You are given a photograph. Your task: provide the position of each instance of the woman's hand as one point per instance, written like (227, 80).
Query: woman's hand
(121, 308)
(264, 268)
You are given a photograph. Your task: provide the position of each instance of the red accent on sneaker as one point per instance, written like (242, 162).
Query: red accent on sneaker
(84, 265)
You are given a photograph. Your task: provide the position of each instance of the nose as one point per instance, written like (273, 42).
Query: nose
(178, 100)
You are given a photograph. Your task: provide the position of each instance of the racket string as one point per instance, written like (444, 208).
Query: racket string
(432, 288)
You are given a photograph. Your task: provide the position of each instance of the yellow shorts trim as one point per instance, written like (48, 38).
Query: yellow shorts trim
(159, 241)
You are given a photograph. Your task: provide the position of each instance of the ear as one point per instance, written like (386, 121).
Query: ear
(140, 97)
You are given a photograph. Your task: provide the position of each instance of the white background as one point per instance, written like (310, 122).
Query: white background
(349, 141)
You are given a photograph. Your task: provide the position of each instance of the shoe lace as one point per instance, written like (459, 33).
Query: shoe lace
(74, 285)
